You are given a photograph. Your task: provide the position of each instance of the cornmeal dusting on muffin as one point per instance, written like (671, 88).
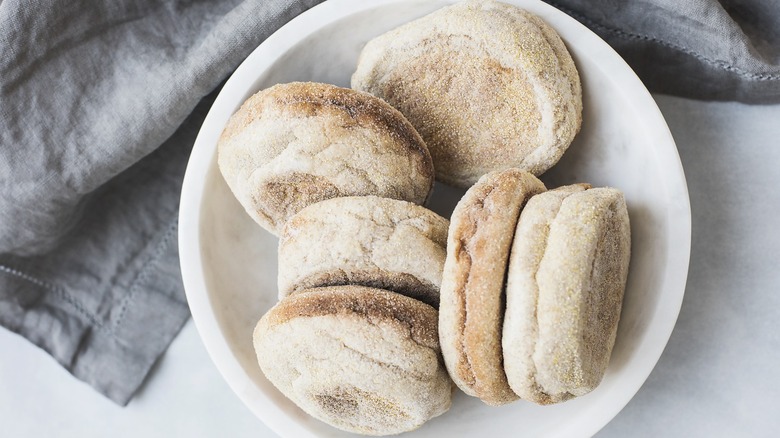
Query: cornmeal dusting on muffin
(488, 86)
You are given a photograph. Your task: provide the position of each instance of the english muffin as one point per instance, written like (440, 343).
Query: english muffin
(364, 240)
(565, 282)
(472, 299)
(488, 86)
(360, 359)
(295, 144)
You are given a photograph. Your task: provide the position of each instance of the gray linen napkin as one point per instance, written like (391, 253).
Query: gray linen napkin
(89, 185)
(702, 49)
(89, 91)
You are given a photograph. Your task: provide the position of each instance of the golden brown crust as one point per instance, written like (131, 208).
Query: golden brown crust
(471, 308)
(398, 282)
(363, 109)
(352, 107)
(360, 359)
(412, 315)
(295, 144)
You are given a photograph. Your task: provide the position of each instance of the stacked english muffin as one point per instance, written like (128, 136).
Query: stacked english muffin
(384, 303)
(338, 175)
(296, 144)
(532, 288)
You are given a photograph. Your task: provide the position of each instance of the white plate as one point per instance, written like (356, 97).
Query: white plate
(229, 263)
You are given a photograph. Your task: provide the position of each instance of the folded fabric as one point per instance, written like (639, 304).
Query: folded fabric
(99, 107)
(702, 49)
(106, 301)
(88, 199)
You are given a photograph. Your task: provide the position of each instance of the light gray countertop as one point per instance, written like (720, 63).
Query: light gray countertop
(716, 377)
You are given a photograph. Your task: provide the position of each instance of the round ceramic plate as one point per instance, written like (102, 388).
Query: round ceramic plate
(229, 263)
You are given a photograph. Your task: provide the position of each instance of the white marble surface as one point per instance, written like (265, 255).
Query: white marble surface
(714, 379)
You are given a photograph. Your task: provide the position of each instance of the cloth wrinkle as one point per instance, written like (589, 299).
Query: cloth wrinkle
(64, 47)
(625, 34)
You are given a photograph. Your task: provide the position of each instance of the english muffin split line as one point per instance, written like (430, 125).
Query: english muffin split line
(366, 240)
(471, 308)
(564, 292)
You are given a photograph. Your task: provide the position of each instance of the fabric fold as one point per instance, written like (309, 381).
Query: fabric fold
(712, 50)
(89, 185)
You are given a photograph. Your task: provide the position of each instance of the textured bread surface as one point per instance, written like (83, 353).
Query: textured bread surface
(472, 302)
(295, 144)
(364, 240)
(488, 85)
(565, 282)
(363, 360)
